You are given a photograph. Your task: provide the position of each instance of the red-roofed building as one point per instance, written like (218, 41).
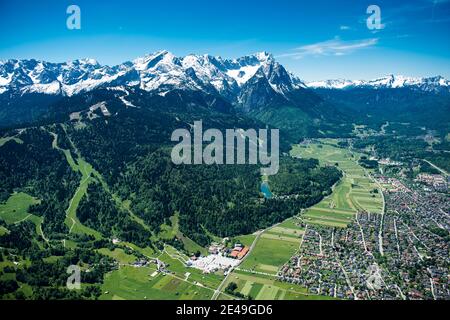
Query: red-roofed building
(243, 252)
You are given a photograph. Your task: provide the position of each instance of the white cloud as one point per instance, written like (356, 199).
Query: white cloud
(334, 47)
(344, 28)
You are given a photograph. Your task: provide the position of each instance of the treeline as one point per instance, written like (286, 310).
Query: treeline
(303, 177)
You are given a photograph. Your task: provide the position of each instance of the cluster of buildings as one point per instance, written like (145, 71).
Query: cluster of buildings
(213, 263)
(339, 262)
(390, 184)
(437, 181)
(422, 258)
(402, 254)
(388, 162)
(220, 257)
(238, 251)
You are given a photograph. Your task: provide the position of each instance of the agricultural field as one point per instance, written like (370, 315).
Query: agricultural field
(273, 248)
(133, 283)
(261, 287)
(355, 192)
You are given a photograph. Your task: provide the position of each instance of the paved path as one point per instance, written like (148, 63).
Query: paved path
(436, 167)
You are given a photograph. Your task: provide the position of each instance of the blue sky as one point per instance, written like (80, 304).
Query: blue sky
(314, 39)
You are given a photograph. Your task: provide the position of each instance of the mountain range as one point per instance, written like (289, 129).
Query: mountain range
(256, 85)
(162, 71)
(430, 84)
(159, 72)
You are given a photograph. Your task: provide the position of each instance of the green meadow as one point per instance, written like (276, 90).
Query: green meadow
(132, 283)
(119, 255)
(261, 287)
(6, 139)
(16, 208)
(274, 248)
(15, 211)
(355, 191)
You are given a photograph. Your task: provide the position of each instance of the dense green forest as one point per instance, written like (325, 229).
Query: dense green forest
(43, 172)
(223, 199)
(99, 211)
(406, 148)
(304, 177)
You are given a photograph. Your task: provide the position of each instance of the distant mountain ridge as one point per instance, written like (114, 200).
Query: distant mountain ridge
(430, 84)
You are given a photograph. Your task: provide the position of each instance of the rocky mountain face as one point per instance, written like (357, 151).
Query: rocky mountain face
(159, 72)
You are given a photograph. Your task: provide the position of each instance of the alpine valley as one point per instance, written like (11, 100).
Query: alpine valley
(87, 179)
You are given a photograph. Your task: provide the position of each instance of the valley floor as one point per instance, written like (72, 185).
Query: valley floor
(261, 274)
(296, 259)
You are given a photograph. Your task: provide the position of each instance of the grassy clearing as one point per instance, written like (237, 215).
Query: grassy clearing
(173, 230)
(147, 251)
(16, 208)
(119, 255)
(72, 222)
(246, 240)
(3, 231)
(6, 139)
(284, 231)
(278, 237)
